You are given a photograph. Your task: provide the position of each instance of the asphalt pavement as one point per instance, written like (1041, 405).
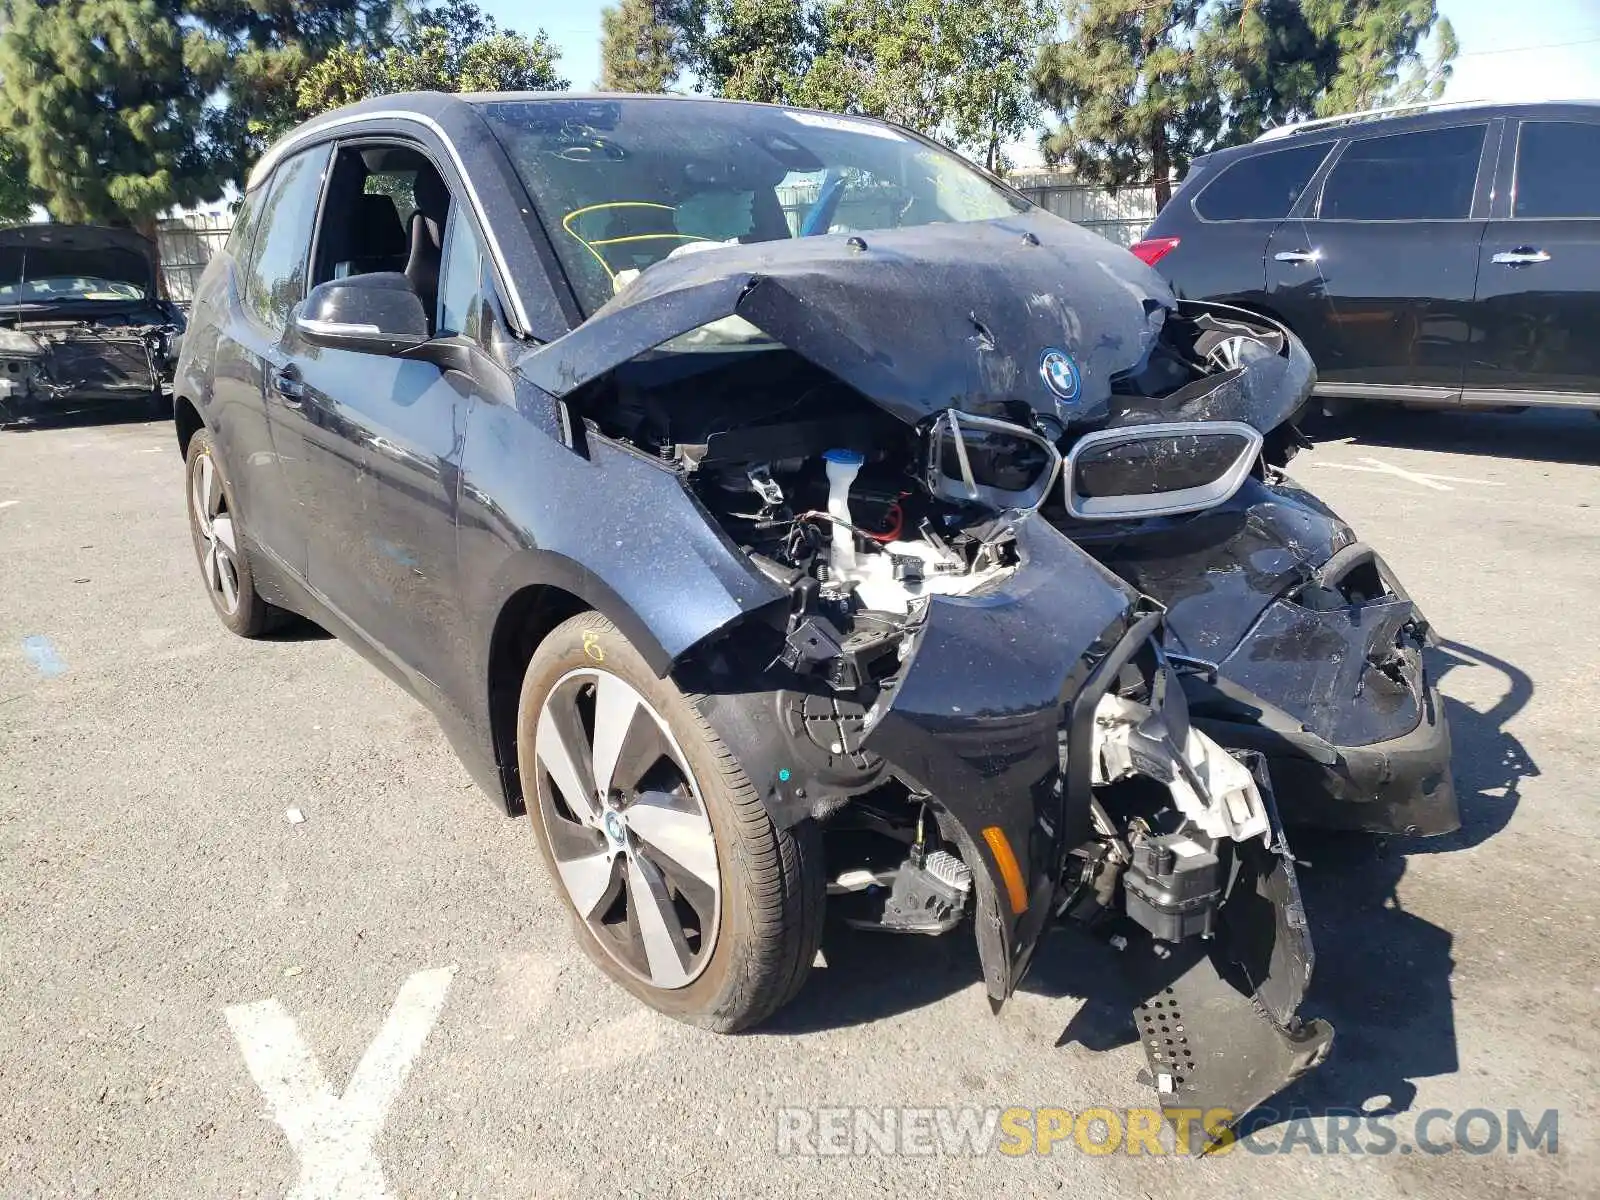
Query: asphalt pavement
(200, 996)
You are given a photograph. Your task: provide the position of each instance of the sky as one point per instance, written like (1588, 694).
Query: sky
(1510, 49)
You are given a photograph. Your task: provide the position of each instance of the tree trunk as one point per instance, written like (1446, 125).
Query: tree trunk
(1161, 169)
(150, 227)
(991, 159)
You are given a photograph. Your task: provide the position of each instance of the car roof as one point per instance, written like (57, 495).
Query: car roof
(1403, 118)
(450, 112)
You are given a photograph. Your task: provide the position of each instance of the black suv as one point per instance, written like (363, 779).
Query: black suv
(1441, 255)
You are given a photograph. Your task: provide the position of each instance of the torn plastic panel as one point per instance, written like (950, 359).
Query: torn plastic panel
(1213, 362)
(1301, 644)
(1212, 1054)
(974, 720)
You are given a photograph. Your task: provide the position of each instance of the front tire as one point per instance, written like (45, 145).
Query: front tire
(224, 563)
(678, 884)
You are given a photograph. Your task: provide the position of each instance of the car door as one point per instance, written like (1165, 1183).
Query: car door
(1382, 272)
(381, 445)
(1216, 235)
(1538, 294)
(249, 355)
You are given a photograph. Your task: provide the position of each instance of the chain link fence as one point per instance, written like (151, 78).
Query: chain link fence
(187, 244)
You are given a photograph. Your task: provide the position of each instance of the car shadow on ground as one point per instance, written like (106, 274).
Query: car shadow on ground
(1382, 973)
(1541, 435)
(292, 627)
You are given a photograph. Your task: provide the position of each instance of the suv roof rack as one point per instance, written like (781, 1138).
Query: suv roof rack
(1416, 106)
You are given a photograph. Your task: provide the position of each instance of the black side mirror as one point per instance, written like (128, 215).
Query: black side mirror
(376, 313)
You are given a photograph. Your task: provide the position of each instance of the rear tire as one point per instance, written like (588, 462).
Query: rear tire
(224, 561)
(678, 884)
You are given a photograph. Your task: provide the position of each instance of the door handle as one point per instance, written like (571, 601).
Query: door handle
(1297, 256)
(288, 385)
(1522, 256)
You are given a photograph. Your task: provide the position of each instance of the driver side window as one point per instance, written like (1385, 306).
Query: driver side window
(386, 211)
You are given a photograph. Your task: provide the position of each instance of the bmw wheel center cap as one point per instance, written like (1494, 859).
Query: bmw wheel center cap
(612, 823)
(1060, 375)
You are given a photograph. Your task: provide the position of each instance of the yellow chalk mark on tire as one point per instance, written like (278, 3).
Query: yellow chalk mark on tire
(592, 646)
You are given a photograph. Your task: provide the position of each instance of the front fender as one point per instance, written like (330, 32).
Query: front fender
(610, 525)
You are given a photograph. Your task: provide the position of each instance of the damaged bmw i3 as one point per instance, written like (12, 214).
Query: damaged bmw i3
(791, 519)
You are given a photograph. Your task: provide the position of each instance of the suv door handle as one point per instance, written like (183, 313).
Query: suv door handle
(1298, 256)
(1522, 256)
(288, 384)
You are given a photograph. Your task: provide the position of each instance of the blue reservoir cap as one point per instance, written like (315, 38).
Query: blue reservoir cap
(845, 458)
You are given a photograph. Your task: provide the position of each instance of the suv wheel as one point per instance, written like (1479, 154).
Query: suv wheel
(679, 885)
(224, 565)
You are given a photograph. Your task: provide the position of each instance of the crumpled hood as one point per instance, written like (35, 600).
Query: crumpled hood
(918, 320)
(40, 251)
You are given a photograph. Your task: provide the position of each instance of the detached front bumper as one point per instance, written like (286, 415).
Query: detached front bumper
(1400, 786)
(1299, 642)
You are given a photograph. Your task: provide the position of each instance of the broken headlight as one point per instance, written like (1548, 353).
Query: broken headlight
(982, 460)
(1158, 470)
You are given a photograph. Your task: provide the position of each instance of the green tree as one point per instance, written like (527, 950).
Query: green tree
(453, 47)
(990, 97)
(1378, 57)
(1144, 86)
(949, 68)
(17, 195)
(107, 102)
(1132, 89)
(270, 45)
(639, 50)
(748, 49)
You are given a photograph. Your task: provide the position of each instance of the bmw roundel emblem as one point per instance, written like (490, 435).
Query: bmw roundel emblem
(1060, 374)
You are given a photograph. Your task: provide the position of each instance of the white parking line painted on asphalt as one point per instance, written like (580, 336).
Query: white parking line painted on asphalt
(1427, 479)
(334, 1135)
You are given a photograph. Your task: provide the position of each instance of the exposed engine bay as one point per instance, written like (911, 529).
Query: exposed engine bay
(46, 361)
(828, 495)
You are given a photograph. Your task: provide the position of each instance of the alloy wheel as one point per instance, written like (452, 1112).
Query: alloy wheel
(627, 827)
(219, 549)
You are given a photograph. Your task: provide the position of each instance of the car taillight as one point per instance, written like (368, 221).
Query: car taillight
(1153, 250)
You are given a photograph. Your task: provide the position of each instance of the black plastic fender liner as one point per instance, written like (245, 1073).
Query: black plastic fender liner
(1076, 790)
(1214, 1056)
